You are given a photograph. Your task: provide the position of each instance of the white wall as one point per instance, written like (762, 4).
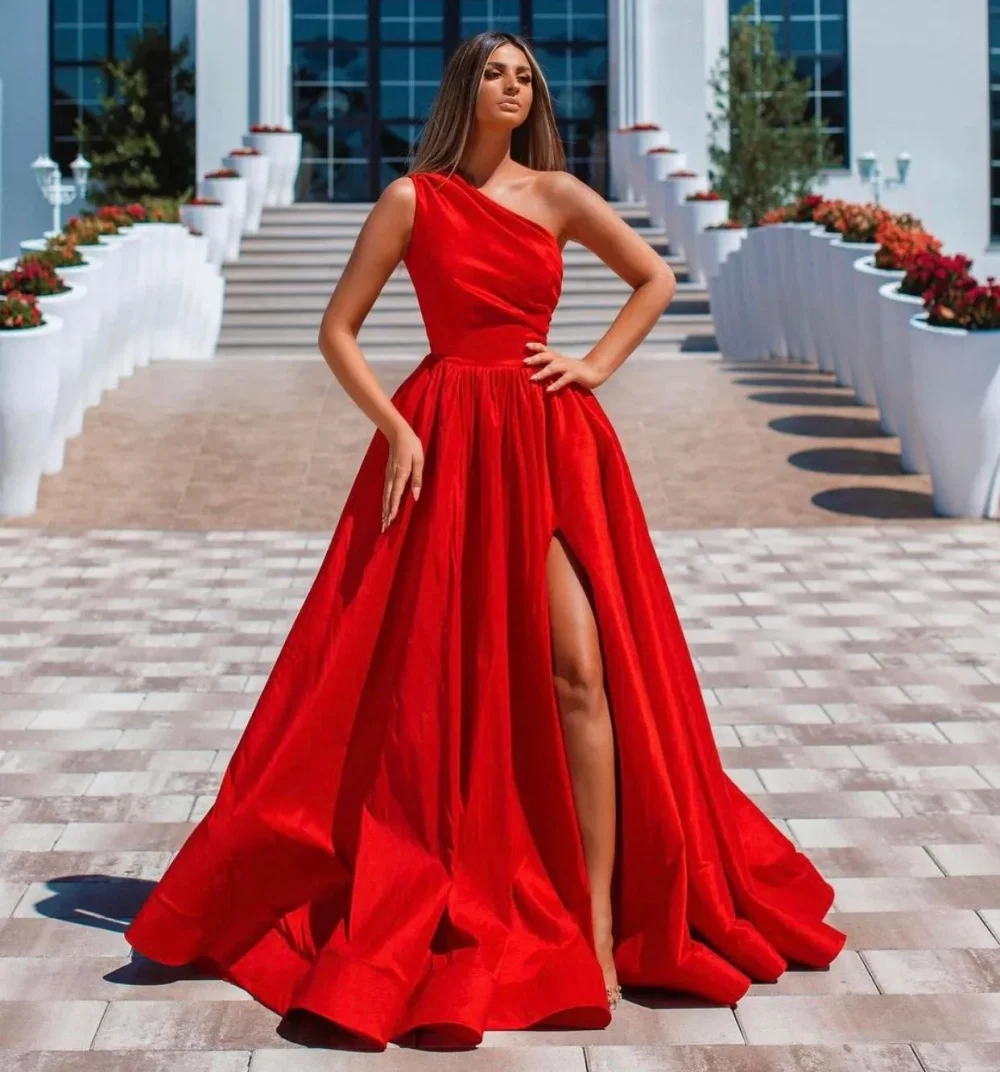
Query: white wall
(919, 81)
(24, 124)
(223, 71)
(682, 40)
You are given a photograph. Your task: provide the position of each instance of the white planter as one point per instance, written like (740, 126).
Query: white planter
(116, 312)
(285, 154)
(898, 413)
(658, 166)
(802, 258)
(824, 309)
(256, 170)
(233, 195)
(675, 193)
(717, 247)
(164, 283)
(843, 324)
(29, 390)
(694, 217)
(213, 222)
(866, 357)
(956, 395)
(789, 297)
(73, 310)
(93, 337)
(737, 293)
(641, 142)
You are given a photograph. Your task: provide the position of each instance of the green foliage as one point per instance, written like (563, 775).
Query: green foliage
(141, 142)
(765, 151)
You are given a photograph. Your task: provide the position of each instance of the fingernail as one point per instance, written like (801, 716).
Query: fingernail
(416, 493)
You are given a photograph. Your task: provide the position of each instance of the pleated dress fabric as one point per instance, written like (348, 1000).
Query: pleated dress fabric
(394, 845)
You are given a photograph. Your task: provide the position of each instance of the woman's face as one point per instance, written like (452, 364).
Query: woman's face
(505, 93)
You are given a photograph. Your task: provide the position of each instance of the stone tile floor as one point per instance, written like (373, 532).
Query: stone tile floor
(853, 678)
(234, 444)
(848, 644)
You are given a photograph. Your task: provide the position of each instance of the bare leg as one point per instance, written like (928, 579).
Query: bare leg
(587, 732)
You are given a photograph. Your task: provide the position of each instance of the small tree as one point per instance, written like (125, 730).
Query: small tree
(141, 141)
(765, 150)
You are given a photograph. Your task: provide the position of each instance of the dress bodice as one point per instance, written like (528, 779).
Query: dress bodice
(487, 278)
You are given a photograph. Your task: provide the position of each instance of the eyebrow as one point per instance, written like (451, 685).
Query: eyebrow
(519, 67)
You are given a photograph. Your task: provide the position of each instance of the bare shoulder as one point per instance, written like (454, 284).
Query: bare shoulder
(400, 197)
(566, 194)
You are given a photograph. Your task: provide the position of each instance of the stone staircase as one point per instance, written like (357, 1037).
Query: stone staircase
(277, 292)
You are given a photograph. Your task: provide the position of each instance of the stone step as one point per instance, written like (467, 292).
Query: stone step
(323, 231)
(295, 255)
(593, 272)
(269, 304)
(561, 336)
(398, 319)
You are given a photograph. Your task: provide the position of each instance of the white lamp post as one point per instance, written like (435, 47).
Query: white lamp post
(870, 171)
(57, 192)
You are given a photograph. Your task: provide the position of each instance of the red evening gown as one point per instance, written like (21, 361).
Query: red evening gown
(394, 844)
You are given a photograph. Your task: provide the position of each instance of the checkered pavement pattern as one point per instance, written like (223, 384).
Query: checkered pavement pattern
(852, 675)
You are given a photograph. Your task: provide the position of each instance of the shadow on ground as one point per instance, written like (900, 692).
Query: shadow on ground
(828, 426)
(885, 504)
(803, 398)
(850, 460)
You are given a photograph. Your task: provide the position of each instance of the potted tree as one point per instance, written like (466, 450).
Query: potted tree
(284, 149)
(29, 388)
(955, 353)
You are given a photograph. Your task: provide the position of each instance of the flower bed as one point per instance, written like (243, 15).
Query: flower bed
(33, 275)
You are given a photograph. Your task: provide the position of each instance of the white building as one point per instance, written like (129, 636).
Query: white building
(356, 76)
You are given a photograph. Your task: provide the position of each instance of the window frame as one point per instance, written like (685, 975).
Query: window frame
(846, 167)
(111, 26)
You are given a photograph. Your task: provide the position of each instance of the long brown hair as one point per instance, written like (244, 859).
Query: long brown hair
(535, 143)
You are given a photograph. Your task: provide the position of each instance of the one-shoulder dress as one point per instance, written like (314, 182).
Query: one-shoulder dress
(394, 845)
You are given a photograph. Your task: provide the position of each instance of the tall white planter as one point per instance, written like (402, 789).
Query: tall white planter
(747, 285)
(898, 411)
(675, 194)
(164, 279)
(91, 275)
(866, 358)
(73, 310)
(213, 221)
(717, 246)
(658, 166)
(233, 195)
(844, 325)
(130, 310)
(802, 259)
(643, 141)
(768, 291)
(694, 217)
(285, 154)
(29, 390)
(790, 298)
(956, 395)
(824, 312)
(116, 313)
(256, 170)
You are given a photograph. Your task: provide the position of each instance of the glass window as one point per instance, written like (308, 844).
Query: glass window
(85, 34)
(814, 34)
(386, 81)
(994, 16)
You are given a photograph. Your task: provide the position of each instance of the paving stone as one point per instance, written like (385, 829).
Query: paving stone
(898, 1058)
(49, 1025)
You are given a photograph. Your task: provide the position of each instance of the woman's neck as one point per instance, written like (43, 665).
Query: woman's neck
(485, 155)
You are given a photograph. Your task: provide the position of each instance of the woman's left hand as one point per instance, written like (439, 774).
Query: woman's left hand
(568, 369)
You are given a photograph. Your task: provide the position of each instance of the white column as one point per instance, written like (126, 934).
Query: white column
(276, 62)
(222, 107)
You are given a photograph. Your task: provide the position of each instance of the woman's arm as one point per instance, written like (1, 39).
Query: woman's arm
(380, 247)
(588, 219)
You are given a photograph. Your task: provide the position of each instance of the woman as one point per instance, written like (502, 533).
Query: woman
(480, 785)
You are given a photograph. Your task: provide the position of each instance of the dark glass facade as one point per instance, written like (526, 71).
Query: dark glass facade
(814, 34)
(365, 73)
(85, 34)
(994, 39)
